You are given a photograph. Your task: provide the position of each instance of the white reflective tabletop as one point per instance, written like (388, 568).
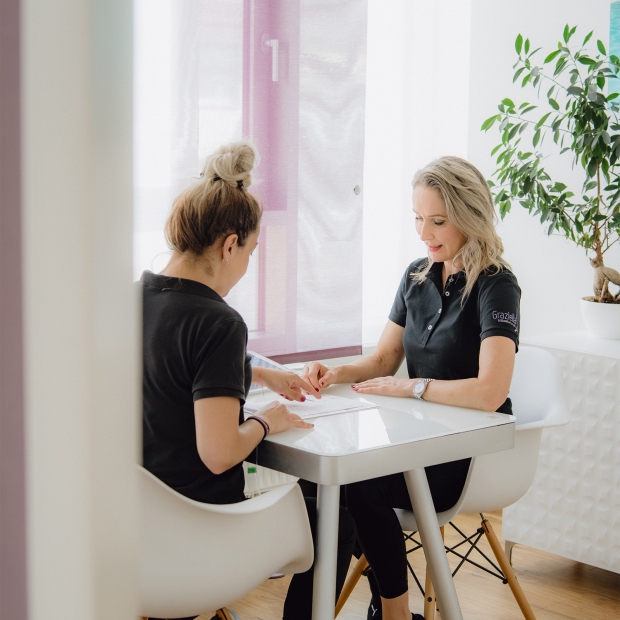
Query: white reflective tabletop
(397, 435)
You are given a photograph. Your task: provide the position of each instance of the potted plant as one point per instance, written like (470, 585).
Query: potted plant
(577, 120)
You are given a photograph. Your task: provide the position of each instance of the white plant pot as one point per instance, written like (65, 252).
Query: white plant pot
(602, 320)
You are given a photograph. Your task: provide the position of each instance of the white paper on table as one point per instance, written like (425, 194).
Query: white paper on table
(311, 408)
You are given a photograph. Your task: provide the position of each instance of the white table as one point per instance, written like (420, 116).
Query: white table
(399, 435)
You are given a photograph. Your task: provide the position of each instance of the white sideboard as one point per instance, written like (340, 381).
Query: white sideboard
(573, 506)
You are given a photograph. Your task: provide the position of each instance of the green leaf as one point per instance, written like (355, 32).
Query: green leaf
(513, 132)
(574, 90)
(508, 102)
(527, 45)
(600, 81)
(541, 122)
(566, 33)
(588, 37)
(612, 96)
(551, 56)
(586, 60)
(601, 47)
(490, 122)
(591, 168)
(529, 109)
(517, 74)
(536, 138)
(519, 44)
(499, 146)
(526, 79)
(554, 104)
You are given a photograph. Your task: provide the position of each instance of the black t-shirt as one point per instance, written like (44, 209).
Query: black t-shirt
(442, 336)
(194, 347)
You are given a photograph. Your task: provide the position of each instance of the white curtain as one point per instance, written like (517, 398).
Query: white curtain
(289, 75)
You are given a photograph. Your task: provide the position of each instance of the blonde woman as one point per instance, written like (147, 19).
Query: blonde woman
(455, 320)
(196, 369)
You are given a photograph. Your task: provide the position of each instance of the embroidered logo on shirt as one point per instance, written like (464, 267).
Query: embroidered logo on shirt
(505, 317)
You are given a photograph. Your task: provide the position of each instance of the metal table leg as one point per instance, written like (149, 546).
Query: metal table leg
(324, 591)
(434, 551)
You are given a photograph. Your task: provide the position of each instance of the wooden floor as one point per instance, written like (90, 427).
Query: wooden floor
(557, 588)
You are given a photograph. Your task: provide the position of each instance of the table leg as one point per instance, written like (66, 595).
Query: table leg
(324, 592)
(434, 551)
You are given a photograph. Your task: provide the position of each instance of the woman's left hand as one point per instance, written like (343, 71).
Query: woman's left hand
(386, 386)
(288, 384)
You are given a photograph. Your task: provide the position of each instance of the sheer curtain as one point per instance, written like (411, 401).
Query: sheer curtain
(290, 76)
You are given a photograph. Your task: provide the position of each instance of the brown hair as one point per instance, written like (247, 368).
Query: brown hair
(217, 205)
(469, 205)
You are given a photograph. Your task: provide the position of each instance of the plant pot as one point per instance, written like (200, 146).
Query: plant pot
(602, 320)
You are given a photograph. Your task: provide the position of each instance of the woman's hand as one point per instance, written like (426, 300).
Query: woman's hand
(320, 376)
(280, 419)
(287, 384)
(386, 386)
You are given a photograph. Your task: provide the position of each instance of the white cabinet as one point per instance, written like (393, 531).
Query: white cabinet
(573, 506)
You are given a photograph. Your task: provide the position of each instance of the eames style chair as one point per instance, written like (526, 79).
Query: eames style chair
(196, 557)
(499, 479)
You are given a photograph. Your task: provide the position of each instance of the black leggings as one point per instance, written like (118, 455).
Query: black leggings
(371, 503)
(298, 603)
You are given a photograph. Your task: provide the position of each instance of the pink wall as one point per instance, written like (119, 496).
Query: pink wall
(13, 590)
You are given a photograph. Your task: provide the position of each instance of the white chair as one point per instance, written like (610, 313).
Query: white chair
(195, 557)
(499, 479)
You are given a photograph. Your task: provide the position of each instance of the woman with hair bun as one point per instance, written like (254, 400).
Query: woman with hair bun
(196, 369)
(455, 320)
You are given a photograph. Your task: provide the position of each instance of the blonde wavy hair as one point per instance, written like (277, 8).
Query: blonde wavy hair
(469, 206)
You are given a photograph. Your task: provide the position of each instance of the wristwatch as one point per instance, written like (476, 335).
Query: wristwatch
(420, 387)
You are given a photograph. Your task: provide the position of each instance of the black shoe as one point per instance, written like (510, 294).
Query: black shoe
(374, 609)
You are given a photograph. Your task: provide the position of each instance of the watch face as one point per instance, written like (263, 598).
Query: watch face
(419, 388)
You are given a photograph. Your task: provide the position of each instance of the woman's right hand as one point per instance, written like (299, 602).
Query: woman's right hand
(319, 376)
(280, 419)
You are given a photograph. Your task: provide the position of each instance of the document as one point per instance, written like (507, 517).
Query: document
(311, 408)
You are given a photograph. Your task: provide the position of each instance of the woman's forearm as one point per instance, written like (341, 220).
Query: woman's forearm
(469, 393)
(365, 368)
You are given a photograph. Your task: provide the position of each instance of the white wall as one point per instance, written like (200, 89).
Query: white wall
(82, 355)
(416, 110)
(553, 273)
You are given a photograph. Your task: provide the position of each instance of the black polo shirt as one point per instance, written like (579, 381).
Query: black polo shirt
(443, 333)
(194, 347)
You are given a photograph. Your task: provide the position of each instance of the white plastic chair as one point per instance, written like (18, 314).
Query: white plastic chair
(195, 557)
(499, 479)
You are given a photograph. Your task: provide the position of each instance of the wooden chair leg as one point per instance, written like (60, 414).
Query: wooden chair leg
(351, 582)
(430, 600)
(502, 560)
(223, 614)
(429, 597)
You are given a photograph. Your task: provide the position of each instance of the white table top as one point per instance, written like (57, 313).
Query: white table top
(398, 435)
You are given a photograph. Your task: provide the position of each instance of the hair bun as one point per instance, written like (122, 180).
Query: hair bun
(232, 164)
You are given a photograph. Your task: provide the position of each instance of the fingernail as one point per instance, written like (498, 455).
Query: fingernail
(303, 399)
(321, 383)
